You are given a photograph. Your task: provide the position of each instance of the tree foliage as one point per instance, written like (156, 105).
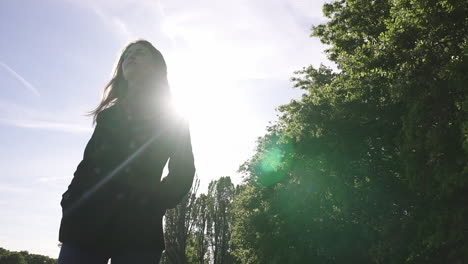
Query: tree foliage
(179, 223)
(199, 229)
(221, 193)
(370, 165)
(23, 257)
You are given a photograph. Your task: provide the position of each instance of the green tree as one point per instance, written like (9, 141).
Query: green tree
(370, 166)
(199, 229)
(178, 228)
(202, 218)
(37, 259)
(12, 258)
(220, 197)
(25, 257)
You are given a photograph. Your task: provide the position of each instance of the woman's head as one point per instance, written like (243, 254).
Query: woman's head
(139, 60)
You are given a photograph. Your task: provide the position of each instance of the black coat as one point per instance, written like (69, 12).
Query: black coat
(116, 198)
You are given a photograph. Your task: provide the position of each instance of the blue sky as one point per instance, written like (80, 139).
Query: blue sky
(229, 64)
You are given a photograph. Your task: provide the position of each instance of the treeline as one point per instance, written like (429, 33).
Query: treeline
(369, 166)
(23, 257)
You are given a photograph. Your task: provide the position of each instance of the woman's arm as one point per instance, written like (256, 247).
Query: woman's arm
(84, 170)
(181, 167)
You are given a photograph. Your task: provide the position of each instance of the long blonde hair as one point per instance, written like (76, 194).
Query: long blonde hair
(116, 88)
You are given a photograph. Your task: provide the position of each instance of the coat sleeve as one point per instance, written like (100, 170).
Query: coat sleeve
(84, 171)
(92, 143)
(181, 167)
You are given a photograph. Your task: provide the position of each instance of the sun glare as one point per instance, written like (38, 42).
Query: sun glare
(182, 106)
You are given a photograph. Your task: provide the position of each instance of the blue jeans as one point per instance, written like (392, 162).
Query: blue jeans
(70, 254)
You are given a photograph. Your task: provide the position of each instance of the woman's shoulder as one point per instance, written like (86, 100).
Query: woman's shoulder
(178, 126)
(107, 114)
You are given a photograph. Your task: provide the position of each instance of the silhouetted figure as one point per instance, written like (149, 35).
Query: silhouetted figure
(114, 205)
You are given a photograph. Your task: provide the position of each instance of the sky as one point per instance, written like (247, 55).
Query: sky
(229, 67)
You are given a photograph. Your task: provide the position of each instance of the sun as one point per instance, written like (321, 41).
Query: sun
(191, 95)
(182, 106)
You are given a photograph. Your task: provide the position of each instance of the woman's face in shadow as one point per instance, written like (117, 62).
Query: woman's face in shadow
(138, 63)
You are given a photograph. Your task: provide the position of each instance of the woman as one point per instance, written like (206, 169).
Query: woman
(114, 205)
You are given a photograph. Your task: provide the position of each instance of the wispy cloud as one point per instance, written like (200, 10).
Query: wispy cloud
(48, 125)
(13, 114)
(128, 19)
(16, 75)
(8, 188)
(115, 23)
(51, 179)
(234, 40)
